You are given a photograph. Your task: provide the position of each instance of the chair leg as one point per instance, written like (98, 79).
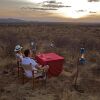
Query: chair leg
(33, 82)
(45, 80)
(23, 77)
(18, 71)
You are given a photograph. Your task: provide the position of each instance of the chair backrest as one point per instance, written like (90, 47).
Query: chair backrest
(27, 67)
(18, 63)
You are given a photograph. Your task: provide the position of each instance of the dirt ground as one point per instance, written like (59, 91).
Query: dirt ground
(57, 88)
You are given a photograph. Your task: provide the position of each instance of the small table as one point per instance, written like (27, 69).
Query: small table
(54, 61)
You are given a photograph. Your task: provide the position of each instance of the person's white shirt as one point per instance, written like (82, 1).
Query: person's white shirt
(19, 56)
(26, 61)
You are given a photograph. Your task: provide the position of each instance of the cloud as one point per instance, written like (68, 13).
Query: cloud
(53, 4)
(38, 8)
(92, 11)
(93, 0)
(47, 6)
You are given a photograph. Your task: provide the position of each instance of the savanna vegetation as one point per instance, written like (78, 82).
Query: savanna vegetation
(67, 39)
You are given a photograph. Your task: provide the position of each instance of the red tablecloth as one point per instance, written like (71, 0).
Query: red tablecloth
(53, 60)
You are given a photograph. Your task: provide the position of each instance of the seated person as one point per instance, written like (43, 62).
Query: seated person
(18, 53)
(28, 61)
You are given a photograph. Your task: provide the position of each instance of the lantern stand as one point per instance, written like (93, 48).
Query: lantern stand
(80, 61)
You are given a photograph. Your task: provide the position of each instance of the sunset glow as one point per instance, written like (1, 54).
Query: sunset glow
(78, 9)
(50, 9)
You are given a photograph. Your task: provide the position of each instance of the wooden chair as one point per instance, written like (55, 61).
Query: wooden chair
(19, 68)
(42, 78)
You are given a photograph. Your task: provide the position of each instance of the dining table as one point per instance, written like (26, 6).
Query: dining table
(54, 61)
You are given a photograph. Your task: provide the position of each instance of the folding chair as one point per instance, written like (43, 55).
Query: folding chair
(42, 77)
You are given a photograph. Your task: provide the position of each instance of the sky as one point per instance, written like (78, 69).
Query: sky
(51, 10)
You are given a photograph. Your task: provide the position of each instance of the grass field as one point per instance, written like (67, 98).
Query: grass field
(67, 39)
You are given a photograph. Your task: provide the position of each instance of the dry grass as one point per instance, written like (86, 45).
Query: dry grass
(68, 38)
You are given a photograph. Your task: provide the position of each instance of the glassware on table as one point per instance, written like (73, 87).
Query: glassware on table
(40, 54)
